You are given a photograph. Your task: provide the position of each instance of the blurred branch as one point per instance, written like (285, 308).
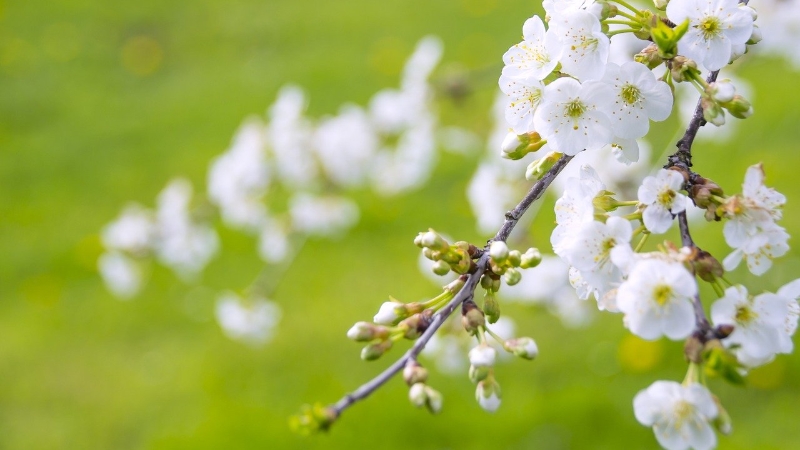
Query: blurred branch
(466, 293)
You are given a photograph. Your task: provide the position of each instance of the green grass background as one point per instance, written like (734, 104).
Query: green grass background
(102, 103)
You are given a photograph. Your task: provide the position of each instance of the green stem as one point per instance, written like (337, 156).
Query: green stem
(641, 242)
(630, 23)
(616, 32)
(626, 5)
(495, 336)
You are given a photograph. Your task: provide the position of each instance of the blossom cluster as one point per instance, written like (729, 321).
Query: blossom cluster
(389, 146)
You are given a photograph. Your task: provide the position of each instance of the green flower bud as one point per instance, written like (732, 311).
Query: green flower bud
(539, 167)
(441, 268)
(512, 276)
(375, 350)
(433, 241)
(313, 419)
(514, 258)
(530, 258)
(712, 112)
(739, 107)
(517, 146)
(487, 394)
(491, 307)
(683, 69)
(478, 373)
(471, 317)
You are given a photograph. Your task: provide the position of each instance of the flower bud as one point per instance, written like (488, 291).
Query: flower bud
(487, 282)
(749, 9)
(530, 258)
(389, 313)
(707, 267)
(477, 374)
(682, 65)
(739, 107)
(649, 56)
(660, 4)
(454, 286)
(441, 268)
(491, 307)
(524, 347)
(514, 258)
(517, 146)
(416, 324)
(724, 330)
(721, 91)
(414, 373)
(539, 167)
(471, 317)
(435, 400)
(487, 394)
(375, 350)
(433, 241)
(417, 395)
(365, 332)
(512, 276)
(482, 356)
(498, 251)
(712, 112)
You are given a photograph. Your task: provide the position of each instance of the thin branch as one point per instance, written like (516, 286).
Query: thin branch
(466, 293)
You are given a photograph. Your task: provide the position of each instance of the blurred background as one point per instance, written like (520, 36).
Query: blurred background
(102, 105)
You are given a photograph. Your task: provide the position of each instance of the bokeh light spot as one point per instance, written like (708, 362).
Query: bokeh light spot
(142, 55)
(638, 355)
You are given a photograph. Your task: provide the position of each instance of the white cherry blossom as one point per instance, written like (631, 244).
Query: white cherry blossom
(251, 322)
(575, 207)
(121, 274)
(590, 252)
(763, 325)
(133, 231)
(751, 229)
(657, 300)
(524, 97)
(570, 116)
(660, 194)
(536, 56)
(639, 98)
(556, 7)
(680, 415)
(585, 47)
(715, 28)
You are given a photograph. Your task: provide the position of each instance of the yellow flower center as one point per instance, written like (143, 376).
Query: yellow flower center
(711, 27)
(662, 294)
(630, 94)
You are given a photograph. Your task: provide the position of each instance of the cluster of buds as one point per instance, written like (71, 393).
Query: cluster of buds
(483, 356)
(503, 261)
(419, 393)
(446, 257)
(396, 320)
(719, 96)
(313, 419)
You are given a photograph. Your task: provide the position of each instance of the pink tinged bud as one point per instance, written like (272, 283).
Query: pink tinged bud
(482, 356)
(523, 347)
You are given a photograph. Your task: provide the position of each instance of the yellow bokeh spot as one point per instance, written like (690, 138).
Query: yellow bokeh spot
(44, 289)
(638, 355)
(770, 376)
(388, 56)
(142, 55)
(478, 8)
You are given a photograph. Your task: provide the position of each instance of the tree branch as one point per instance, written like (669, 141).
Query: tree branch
(466, 293)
